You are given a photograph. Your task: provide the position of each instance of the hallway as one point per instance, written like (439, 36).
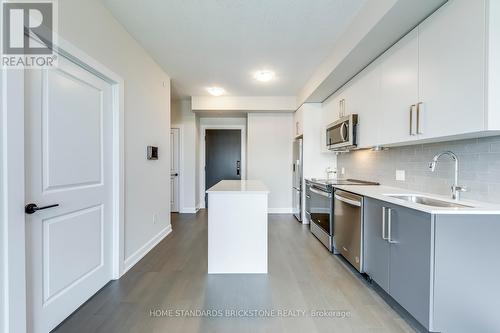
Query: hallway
(303, 280)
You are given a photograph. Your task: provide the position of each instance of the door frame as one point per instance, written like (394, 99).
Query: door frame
(180, 191)
(12, 179)
(203, 130)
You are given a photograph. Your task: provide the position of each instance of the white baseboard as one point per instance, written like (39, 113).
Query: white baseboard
(194, 210)
(189, 210)
(280, 210)
(139, 254)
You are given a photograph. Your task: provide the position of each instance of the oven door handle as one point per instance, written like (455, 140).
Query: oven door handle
(348, 201)
(322, 193)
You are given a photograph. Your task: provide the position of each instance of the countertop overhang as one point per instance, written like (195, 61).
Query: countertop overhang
(239, 186)
(381, 193)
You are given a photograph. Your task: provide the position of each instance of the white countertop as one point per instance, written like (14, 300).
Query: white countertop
(380, 193)
(239, 186)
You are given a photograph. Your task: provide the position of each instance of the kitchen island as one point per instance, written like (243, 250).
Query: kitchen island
(237, 227)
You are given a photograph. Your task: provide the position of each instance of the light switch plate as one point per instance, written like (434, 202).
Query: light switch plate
(400, 175)
(342, 171)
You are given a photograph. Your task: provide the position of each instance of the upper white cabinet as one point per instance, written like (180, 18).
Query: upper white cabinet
(362, 97)
(452, 69)
(439, 82)
(298, 122)
(399, 91)
(334, 106)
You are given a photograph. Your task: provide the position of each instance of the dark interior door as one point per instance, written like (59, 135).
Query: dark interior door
(222, 156)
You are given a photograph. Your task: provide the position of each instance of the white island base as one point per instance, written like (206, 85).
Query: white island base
(237, 227)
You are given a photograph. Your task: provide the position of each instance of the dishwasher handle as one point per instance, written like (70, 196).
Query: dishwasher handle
(319, 192)
(348, 200)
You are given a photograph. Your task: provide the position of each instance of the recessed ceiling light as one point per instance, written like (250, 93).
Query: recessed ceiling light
(264, 75)
(216, 91)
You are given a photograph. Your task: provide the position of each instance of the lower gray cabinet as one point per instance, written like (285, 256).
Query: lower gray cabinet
(376, 248)
(443, 269)
(410, 261)
(398, 244)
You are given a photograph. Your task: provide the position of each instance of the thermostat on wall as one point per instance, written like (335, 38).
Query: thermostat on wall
(152, 153)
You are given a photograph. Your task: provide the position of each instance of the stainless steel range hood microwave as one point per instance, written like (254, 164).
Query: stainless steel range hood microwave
(341, 135)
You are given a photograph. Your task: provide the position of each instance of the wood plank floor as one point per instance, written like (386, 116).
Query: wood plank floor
(303, 276)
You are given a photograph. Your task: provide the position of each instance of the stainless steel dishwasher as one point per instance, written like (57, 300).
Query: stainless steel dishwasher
(348, 221)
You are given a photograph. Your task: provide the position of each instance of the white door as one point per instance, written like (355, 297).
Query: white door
(68, 162)
(174, 170)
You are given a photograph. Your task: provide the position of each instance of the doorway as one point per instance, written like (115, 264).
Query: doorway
(222, 156)
(174, 169)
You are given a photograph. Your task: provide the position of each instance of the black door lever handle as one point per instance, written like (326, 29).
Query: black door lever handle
(32, 208)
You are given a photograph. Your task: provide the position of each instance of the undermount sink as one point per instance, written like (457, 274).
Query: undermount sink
(424, 200)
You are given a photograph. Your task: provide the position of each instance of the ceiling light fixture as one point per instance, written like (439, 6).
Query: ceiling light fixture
(264, 75)
(216, 91)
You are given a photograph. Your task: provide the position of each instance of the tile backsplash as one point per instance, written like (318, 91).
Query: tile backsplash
(479, 167)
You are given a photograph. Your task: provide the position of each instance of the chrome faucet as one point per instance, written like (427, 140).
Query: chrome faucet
(455, 188)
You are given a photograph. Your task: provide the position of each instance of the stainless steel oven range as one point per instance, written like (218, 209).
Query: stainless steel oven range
(320, 208)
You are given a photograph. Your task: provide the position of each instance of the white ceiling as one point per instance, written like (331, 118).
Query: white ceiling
(202, 43)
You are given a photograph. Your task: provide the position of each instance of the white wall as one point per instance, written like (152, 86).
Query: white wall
(197, 163)
(316, 158)
(90, 26)
(269, 156)
(222, 121)
(268, 152)
(184, 118)
(244, 103)
(192, 172)
(12, 218)
(3, 261)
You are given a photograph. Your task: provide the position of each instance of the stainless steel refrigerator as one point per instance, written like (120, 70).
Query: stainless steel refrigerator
(297, 179)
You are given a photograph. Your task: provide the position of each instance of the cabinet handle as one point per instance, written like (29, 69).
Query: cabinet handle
(419, 121)
(383, 223)
(389, 226)
(411, 119)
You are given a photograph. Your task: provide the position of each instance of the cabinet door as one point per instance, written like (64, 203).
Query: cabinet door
(362, 97)
(410, 261)
(399, 89)
(331, 106)
(375, 249)
(298, 121)
(452, 69)
(330, 112)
